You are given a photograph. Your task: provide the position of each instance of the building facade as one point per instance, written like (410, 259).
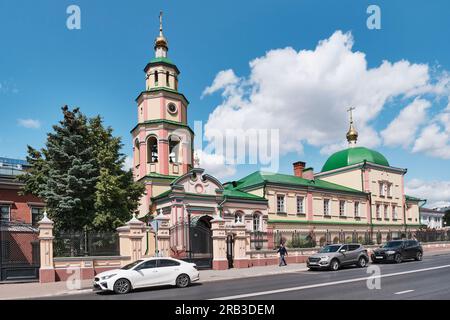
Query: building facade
(431, 218)
(14, 207)
(357, 196)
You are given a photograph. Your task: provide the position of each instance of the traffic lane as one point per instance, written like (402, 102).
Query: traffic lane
(222, 288)
(432, 284)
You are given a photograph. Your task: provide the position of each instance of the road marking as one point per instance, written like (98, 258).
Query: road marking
(402, 292)
(318, 285)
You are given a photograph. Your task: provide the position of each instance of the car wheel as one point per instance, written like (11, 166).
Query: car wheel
(398, 258)
(183, 281)
(122, 286)
(419, 256)
(334, 265)
(362, 262)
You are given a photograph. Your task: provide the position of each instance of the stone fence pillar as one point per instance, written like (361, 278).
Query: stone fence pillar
(163, 236)
(219, 237)
(241, 239)
(131, 238)
(47, 269)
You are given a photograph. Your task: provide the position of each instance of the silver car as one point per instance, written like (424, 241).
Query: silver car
(334, 256)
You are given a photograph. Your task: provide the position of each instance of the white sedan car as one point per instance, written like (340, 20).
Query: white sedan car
(147, 273)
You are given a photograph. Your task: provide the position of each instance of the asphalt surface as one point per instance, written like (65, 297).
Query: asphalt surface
(427, 279)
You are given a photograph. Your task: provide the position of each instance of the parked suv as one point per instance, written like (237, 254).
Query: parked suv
(334, 256)
(397, 251)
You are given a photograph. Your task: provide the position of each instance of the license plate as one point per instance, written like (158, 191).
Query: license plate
(378, 257)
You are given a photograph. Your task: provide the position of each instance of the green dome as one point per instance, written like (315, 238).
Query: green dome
(353, 155)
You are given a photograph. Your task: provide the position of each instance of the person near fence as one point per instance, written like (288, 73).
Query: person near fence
(283, 252)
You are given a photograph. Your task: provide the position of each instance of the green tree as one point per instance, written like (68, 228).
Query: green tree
(80, 177)
(116, 194)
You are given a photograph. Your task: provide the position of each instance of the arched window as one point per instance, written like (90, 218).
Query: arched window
(152, 149)
(256, 221)
(137, 153)
(167, 79)
(156, 77)
(174, 149)
(238, 216)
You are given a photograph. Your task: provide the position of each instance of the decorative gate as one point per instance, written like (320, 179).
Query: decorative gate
(230, 251)
(200, 243)
(19, 252)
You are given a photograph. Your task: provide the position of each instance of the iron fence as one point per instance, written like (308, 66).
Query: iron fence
(86, 243)
(293, 239)
(432, 235)
(257, 240)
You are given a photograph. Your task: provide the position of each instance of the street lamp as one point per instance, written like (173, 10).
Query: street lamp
(156, 223)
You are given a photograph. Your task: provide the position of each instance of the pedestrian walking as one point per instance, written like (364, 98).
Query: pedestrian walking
(283, 252)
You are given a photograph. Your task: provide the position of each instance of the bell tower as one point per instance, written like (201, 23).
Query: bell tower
(162, 140)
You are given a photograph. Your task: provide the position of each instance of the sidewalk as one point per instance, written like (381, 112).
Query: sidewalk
(35, 289)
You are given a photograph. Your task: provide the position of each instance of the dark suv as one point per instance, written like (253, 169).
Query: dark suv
(397, 251)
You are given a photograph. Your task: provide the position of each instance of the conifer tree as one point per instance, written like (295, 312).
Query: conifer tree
(80, 177)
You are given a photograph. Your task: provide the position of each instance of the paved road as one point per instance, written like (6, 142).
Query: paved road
(427, 279)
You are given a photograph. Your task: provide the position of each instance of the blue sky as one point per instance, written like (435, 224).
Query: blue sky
(43, 65)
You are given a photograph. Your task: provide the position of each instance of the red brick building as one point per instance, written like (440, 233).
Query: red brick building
(14, 207)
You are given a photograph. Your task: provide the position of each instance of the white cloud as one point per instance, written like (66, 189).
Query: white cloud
(128, 163)
(305, 94)
(434, 139)
(215, 164)
(224, 79)
(402, 130)
(437, 193)
(29, 123)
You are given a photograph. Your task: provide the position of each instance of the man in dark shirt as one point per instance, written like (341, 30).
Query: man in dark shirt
(283, 252)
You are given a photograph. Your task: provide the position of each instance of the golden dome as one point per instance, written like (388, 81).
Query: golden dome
(161, 41)
(352, 134)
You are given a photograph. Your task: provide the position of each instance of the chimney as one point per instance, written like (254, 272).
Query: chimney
(308, 173)
(298, 168)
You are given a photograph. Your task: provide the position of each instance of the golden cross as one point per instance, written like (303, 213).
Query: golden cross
(160, 22)
(351, 115)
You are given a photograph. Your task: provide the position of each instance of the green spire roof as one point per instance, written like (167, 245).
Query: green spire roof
(162, 59)
(352, 156)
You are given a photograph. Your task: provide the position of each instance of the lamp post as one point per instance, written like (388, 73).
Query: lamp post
(157, 222)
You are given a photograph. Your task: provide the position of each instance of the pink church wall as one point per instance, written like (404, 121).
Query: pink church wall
(162, 108)
(309, 199)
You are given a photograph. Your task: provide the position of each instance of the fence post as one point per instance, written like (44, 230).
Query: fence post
(130, 239)
(219, 236)
(163, 235)
(47, 269)
(240, 245)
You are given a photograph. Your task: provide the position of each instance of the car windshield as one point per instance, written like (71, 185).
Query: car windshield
(131, 265)
(332, 248)
(392, 244)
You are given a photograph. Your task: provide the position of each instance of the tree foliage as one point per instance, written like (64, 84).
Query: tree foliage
(80, 176)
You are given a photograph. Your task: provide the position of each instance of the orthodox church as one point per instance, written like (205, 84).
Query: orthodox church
(356, 197)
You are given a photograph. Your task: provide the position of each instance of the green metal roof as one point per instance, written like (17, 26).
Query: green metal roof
(161, 59)
(410, 198)
(230, 192)
(260, 177)
(352, 156)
